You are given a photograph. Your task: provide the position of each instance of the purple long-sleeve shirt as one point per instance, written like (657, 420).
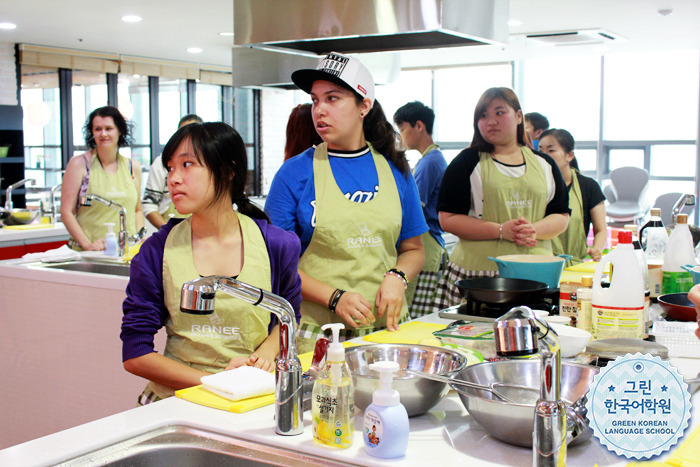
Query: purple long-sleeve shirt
(144, 307)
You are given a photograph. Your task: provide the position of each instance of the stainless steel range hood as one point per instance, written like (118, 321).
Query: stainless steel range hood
(354, 26)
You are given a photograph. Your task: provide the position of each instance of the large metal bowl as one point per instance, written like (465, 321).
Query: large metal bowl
(18, 216)
(418, 395)
(513, 423)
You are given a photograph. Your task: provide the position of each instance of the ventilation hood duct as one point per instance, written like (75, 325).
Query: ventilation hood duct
(316, 27)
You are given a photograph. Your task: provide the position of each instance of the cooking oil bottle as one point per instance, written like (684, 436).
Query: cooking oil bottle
(333, 397)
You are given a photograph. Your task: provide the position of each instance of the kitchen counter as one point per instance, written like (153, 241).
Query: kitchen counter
(61, 352)
(446, 433)
(11, 237)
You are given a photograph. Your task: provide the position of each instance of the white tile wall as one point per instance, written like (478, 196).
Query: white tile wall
(8, 77)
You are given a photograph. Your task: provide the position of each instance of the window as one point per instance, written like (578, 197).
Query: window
(626, 157)
(567, 91)
(172, 101)
(89, 92)
(666, 160)
(134, 105)
(457, 90)
(42, 132)
(651, 96)
(209, 99)
(411, 85)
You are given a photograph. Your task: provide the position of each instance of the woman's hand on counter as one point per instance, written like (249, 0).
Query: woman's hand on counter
(97, 245)
(390, 300)
(354, 308)
(255, 360)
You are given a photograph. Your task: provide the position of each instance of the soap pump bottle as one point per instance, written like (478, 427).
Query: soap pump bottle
(386, 420)
(333, 397)
(110, 240)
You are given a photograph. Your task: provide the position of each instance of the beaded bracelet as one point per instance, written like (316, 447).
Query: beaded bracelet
(335, 298)
(500, 232)
(398, 273)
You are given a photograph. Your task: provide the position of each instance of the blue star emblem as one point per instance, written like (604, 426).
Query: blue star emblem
(664, 388)
(611, 388)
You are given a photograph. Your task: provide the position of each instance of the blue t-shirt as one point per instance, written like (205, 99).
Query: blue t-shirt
(292, 198)
(428, 175)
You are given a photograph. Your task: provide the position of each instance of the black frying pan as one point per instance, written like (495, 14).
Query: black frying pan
(498, 290)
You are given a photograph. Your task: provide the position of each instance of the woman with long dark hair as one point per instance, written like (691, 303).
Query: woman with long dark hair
(207, 168)
(586, 201)
(499, 197)
(301, 132)
(354, 205)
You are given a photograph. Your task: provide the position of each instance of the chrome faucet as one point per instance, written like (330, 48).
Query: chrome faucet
(8, 191)
(685, 200)
(197, 298)
(518, 333)
(123, 233)
(53, 210)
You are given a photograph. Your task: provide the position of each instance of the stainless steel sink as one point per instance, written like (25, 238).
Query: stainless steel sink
(180, 445)
(115, 268)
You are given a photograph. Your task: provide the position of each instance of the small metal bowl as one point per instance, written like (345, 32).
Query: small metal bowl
(18, 216)
(418, 395)
(509, 422)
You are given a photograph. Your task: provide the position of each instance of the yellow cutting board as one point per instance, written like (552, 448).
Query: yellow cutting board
(199, 395)
(685, 455)
(412, 332)
(29, 226)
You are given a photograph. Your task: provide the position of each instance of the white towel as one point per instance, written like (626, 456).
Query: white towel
(57, 255)
(240, 383)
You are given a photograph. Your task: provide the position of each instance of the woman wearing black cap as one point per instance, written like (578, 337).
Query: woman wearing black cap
(353, 203)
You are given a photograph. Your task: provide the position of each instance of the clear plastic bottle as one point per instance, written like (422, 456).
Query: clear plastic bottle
(333, 397)
(386, 420)
(111, 240)
(618, 310)
(656, 240)
(679, 252)
(584, 296)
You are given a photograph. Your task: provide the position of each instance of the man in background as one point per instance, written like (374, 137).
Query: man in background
(535, 124)
(415, 122)
(157, 206)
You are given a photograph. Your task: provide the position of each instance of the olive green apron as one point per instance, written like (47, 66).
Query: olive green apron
(352, 246)
(506, 198)
(236, 328)
(433, 253)
(573, 240)
(118, 187)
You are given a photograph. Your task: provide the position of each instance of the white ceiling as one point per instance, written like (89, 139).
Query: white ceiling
(170, 27)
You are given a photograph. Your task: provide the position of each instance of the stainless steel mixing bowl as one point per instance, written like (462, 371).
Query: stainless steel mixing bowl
(418, 395)
(18, 216)
(513, 423)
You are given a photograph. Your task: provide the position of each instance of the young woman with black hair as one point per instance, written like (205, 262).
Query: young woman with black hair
(353, 203)
(498, 196)
(586, 201)
(104, 172)
(207, 167)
